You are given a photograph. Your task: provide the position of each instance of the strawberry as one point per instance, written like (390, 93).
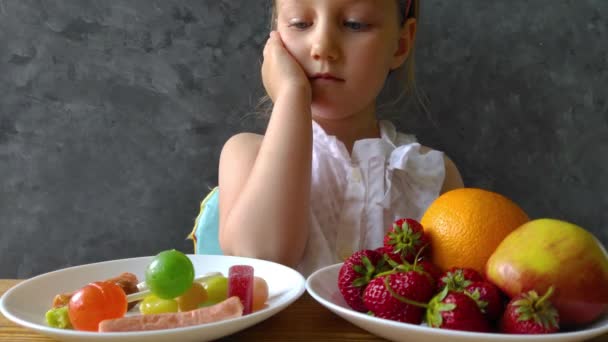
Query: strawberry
(400, 296)
(354, 275)
(527, 313)
(405, 239)
(489, 298)
(422, 266)
(380, 249)
(432, 269)
(457, 311)
(458, 278)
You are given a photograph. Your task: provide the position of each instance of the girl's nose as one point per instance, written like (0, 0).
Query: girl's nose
(325, 44)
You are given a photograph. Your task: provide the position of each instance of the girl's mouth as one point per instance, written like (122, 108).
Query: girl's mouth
(326, 77)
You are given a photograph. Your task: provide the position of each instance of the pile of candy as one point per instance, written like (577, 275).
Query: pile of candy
(170, 289)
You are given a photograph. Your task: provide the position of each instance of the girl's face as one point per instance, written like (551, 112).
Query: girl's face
(346, 47)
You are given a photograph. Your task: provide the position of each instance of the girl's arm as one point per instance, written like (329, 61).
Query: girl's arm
(264, 182)
(452, 180)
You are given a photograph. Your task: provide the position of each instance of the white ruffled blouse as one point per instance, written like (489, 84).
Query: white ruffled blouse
(355, 198)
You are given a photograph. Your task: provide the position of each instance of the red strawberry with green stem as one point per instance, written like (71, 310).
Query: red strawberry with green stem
(420, 265)
(489, 298)
(432, 269)
(403, 241)
(458, 278)
(400, 296)
(528, 313)
(456, 311)
(356, 273)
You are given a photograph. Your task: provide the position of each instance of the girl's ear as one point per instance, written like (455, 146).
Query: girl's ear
(407, 37)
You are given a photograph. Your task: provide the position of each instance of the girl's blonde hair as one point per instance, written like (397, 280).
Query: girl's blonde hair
(405, 75)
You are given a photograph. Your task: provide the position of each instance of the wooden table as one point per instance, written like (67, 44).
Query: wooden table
(304, 320)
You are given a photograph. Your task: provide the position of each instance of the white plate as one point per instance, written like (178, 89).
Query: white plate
(323, 287)
(28, 301)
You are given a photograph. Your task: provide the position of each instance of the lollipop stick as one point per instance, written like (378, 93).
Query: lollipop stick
(143, 289)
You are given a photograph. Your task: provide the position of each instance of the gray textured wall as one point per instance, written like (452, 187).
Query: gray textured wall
(113, 113)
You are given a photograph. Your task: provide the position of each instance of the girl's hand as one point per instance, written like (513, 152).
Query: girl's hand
(280, 70)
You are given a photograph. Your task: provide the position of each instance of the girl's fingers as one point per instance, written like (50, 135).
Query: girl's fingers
(275, 35)
(273, 45)
(269, 42)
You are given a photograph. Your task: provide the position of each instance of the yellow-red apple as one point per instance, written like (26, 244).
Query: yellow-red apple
(549, 252)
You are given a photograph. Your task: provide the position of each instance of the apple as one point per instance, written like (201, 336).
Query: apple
(550, 252)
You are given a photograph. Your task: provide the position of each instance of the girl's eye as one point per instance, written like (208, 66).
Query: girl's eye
(300, 25)
(356, 26)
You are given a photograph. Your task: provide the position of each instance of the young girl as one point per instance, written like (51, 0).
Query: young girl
(327, 178)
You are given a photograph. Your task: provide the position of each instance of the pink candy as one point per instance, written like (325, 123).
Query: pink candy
(240, 284)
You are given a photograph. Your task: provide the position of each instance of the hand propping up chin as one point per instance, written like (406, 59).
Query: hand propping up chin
(280, 70)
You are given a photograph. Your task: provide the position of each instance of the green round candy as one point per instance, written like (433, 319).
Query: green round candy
(217, 289)
(169, 274)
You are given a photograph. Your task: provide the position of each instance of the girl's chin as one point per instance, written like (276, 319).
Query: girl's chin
(335, 109)
(329, 107)
(324, 111)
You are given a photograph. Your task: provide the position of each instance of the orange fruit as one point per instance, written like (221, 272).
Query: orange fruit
(466, 225)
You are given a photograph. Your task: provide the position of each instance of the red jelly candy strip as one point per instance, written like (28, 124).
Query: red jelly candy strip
(240, 284)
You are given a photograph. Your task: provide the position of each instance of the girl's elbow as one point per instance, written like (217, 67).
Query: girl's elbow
(281, 254)
(288, 258)
(225, 242)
